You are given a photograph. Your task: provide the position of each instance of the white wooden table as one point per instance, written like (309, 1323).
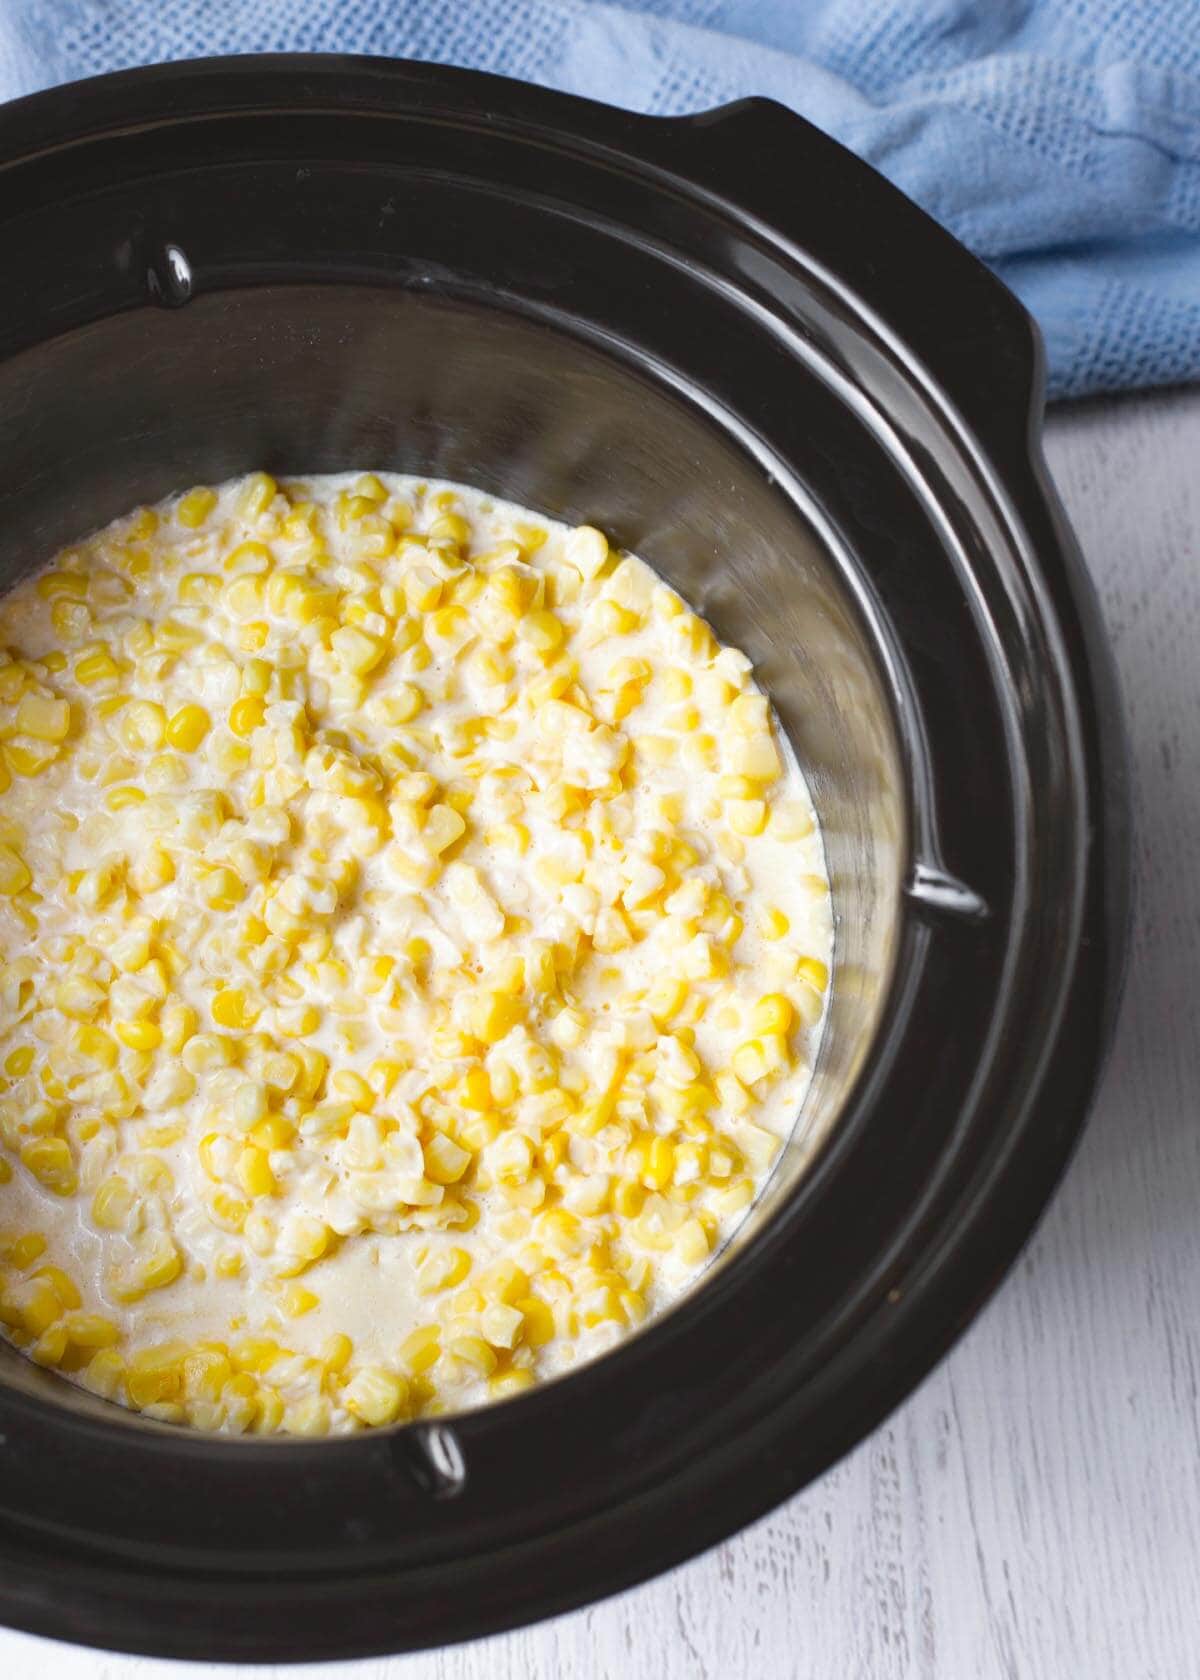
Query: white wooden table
(1033, 1512)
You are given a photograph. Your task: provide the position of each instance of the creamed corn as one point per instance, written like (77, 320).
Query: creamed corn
(414, 937)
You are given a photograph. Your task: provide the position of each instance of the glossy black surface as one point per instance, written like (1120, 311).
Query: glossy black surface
(744, 354)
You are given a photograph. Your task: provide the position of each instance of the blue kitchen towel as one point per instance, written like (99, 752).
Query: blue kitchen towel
(1059, 139)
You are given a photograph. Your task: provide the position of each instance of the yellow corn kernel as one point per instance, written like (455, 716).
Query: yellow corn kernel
(475, 1092)
(187, 728)
(666, 998)
(158, 1264)
(49, 1160)
(772, 1014)
(228, 1212)
(506, 1384)
(550, 686)
(255, 1355)
(43, 717)
(98, 665)
(746, 816)
(138, 1035)
(231, 1007)
(143, 726)
(504, 1281)
(773, 924)
(493, 1015)
(121, 798)
(29, 758)
(256, 495)
(246, 714)
(90, 1330)
(313, 1068)
(25, 1250)
(422, 589)
(443, 827)
(420, 1350)
(61, 1285)
(612, 619)
(538, 1326)
(18, 1062)
(53, 586)
(253, 1172)
(248, 559)
(199, 589)
(627, 1198)
(195, 507)
(354, 1088)
(443, 1269)
(756, 758)
(375, 1395)
(473, 1352)
(406, 703)
(791, 820)
(14, 873)
(335, 1353)
(178, 1022)
(450, 528)
(223, 889)
(204, 1052)
(814, 971)
(51, 1346)
(275, 1132)
(154, 869)
(544, 632)
(356, 650)
(35, 1310)
(207, 1151)
(244, 597)
(112, 1204)
(297, 1300)
(256, 676)
(105, 1374)
(445, 1161)
(691, 1243)
(656, 1159)
(759, 1057)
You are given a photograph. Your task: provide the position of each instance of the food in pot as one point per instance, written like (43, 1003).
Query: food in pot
(415, 941)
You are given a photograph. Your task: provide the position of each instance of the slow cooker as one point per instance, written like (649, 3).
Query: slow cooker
(747, 357)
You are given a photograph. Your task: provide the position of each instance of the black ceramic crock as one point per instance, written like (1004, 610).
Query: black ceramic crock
(741, 352)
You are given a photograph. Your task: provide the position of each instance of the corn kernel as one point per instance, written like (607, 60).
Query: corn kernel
(49, 1160)
(814, 971)
(746, 816)
(14, 873)
(195, 507)
(771, 1014)
(445, 1161)
(375, 1395)
(143, 726)
(187, 728)
(421, 1350)
(246, 715)
(43, 717)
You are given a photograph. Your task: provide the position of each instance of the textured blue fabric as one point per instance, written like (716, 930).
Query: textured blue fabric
(1060, 139)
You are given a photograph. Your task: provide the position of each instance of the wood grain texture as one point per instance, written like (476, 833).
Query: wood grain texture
(1034, 1510)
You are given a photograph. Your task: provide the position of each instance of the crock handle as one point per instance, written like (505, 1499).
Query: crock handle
(855, 230)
